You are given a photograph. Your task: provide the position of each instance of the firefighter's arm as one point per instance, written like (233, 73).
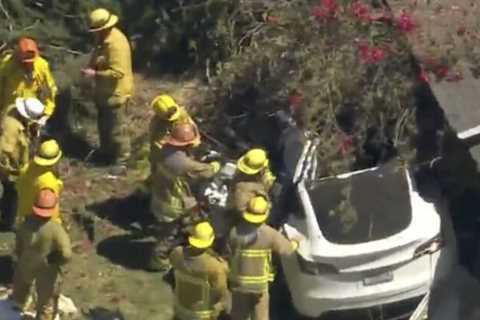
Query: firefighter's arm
(268, 178)
(218, 282)
(24, 152)
(240, 200)
(117, 61)
(243, 193)
(200, 170)
(60, 185)
(109, 73)
(51, 92)
(280, 244)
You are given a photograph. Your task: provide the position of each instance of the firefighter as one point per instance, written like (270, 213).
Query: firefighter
(200, 277)
(15, 140)
(173, 181)
(252, 243)
(25, 74)
(40, 173)
(111, 68)
(167, 114)
(253, 178)
(42, 248)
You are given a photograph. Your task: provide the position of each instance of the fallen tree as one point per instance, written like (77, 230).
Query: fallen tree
(341, 67)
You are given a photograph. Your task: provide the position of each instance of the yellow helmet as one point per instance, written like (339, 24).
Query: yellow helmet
(253, 161)
(202, 236)
(257, 210)
(101, 19)
(48, 154)
(166, 107)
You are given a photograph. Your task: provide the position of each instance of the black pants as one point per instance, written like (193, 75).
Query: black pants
(8, 204)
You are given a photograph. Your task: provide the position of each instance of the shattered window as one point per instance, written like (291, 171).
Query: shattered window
(368, 206)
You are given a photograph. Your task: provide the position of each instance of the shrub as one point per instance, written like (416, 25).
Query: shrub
(343, 69)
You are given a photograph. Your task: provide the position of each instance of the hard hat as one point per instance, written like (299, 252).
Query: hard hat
(101, 19)
(253, 161)
(183, 134)
(27, 50)
(257, 210)
(30, 108)
(202, 236)
(45, 203)
(48, 154)
(166, 107)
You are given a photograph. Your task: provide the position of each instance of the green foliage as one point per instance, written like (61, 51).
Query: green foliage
(183, 33)
(362, 111)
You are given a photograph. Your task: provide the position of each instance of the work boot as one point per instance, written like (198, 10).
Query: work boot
(100, 158)
(47, 312)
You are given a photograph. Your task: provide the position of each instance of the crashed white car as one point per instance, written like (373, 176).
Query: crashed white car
(369, 239)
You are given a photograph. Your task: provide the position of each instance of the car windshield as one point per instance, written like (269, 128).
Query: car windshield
(364, 207)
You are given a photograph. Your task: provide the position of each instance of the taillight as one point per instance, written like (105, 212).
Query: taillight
(314, 268)
(430, 247)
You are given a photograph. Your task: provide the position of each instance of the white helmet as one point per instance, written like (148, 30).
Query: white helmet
(30, 108)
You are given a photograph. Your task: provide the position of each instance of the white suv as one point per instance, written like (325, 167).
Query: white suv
(369, 239)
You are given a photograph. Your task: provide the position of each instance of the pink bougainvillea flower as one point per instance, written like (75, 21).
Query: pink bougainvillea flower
(295, 101)
(327, 9)
(423, 76)
(369, 54)
(363, 50)
(405, 22)
(441, 71)
(330, 5)
(320, 14)
(346, 144)
(361, 11)
(377, 54)
(454, 76)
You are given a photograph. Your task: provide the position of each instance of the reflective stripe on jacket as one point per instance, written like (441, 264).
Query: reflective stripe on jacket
(252, 269)
(252, 247)
(192, 297)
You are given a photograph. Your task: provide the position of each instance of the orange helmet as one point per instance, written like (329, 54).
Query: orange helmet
(27, 50)
(45, 203)
(183, 134)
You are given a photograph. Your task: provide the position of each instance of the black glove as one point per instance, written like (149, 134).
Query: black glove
(210, 156)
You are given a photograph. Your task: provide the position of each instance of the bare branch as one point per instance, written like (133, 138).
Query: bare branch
(74, 52)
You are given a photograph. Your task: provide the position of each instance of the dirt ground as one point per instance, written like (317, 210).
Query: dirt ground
(103, 212)
(106, 278)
